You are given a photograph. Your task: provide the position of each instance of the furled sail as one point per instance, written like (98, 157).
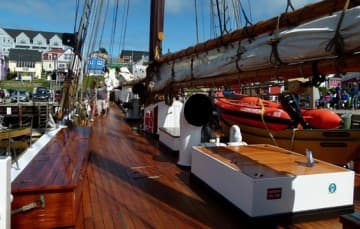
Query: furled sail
(305, 42)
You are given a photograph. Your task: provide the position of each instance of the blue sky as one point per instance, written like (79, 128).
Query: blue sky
(179, 29)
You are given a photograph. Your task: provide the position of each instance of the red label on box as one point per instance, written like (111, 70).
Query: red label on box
(274, 193)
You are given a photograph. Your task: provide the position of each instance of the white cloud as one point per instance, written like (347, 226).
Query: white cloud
(266, 9)
(38, 15)
(178, 6)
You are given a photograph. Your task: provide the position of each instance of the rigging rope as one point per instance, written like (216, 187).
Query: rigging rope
(250, 10)
(219, 17)
(264, 122)
(247, 20)
(113, 31)
(235, 7)
(212, 19)
(77, 5)
(224, 16)
(203, 20)
(196, 22)
(289, 5)
(96, 31)
(337, 42)
(274, 42)
(104, 23)
(125, 21)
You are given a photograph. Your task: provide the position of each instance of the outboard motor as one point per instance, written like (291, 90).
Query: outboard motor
(291, 106)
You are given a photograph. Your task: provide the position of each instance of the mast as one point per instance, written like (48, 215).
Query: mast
(72, 87)
(156, 29)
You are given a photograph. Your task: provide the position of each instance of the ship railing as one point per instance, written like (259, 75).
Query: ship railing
(5, 192)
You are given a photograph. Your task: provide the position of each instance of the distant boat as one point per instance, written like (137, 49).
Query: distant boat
(270, 124)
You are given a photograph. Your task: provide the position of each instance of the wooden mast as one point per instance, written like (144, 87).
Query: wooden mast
(156, 29)
(155, 44)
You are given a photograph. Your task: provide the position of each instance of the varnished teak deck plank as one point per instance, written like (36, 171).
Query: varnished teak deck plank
(118, 193)
(55, 175)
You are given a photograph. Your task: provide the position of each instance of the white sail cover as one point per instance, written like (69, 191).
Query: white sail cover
(305, 42)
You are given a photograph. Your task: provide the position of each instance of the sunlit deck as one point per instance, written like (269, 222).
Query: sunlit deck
(133, 183)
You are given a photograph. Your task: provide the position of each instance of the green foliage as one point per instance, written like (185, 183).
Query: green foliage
(24, 85)
(88, 79)
(323, 90)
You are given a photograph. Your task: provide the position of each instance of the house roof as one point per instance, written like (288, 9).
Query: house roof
(31, 33)
(24, 55)
(54, 50)
(136, 55)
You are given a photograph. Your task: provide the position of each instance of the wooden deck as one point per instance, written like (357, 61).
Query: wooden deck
(131, 182)
(47, 193)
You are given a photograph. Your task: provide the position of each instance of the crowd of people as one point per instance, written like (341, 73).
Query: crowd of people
(341, 98)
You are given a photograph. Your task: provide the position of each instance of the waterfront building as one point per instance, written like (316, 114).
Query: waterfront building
(133, 56)
(50, 59)
(64, 60)
(3, 66)
(96, 63)
(26, 64)
(29, 39)
(136, 61)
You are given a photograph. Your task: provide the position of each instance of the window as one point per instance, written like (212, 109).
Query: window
(67, 56)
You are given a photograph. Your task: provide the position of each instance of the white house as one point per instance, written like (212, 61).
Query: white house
(6, 42)
(29, 39)
(64, 60)
(25, 63)
(3, 66)
(50, 59)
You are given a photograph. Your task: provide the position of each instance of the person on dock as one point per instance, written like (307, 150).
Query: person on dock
(92, 94)
(355, 95)
(338, 96)
(101, 102)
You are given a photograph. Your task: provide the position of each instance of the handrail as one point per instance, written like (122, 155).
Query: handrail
(5, 192)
